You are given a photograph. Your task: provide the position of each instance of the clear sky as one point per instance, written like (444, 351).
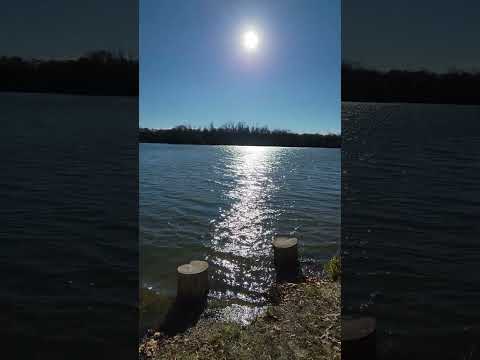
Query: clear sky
(66, 29)
(194, 69)
(411, 34)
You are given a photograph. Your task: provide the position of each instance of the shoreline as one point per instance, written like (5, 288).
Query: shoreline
(286, 146)
(238, 134)
(400, 102)
(69, 93)
(303, 322)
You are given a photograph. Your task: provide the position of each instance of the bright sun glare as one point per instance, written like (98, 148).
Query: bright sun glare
(250, 40)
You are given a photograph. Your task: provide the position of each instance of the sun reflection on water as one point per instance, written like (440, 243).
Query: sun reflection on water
(223, 204)
(241, 235)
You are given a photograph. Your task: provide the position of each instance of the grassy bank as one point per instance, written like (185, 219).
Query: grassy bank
(302, 323)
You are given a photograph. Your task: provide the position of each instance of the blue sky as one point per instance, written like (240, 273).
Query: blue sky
(194, 70)
(67, 29)
(433, 34)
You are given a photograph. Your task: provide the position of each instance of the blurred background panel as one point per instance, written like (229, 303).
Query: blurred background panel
(69, 185)
(410, 157)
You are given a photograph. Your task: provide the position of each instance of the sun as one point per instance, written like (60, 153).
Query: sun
(250, 40)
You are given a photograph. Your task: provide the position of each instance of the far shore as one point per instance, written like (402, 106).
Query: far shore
(96, 73)
(237, 135)
(363, 84)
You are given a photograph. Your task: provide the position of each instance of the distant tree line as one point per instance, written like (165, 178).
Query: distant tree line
(422, 86)
(237, 134)
(96, 73)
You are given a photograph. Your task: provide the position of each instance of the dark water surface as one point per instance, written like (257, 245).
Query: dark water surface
(69, 258)
(223, 204)
(410, 226)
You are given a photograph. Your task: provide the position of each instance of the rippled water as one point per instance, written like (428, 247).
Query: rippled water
(68, 263)
(410, 210)
(223, 204)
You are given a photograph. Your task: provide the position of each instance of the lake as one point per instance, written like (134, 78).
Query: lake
(69, 258)
(223, 204)
(410, 225)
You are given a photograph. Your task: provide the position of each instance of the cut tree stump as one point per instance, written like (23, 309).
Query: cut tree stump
(285, 254)
(359, 338)
(192, 281)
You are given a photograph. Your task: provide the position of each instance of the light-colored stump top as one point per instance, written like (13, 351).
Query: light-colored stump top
(358, 328)
(284, 241)
(195, 267)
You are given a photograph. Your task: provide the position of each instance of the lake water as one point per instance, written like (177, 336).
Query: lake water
(69, 258)
(223, 204)
(410, 226)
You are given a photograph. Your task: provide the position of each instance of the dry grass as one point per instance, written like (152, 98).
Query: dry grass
(333, 268)
(304, 324)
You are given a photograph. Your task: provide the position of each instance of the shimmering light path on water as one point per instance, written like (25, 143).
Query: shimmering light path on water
(224, 203)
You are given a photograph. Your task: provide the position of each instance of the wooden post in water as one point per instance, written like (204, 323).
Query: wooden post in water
(192, 281)
(285, 254)
(359, 338)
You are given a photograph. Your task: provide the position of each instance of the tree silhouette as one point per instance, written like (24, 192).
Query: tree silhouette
(237, 134)
(421, 86)
(96, 73)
